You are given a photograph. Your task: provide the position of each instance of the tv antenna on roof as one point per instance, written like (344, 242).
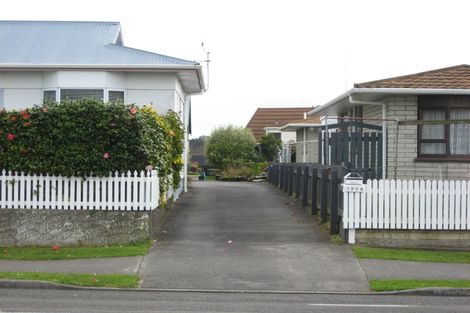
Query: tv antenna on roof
(207, 61)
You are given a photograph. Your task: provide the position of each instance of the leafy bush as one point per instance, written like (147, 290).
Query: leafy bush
(166, 130)
(242, 172)
(270, 146)
(231, 147)
(83, 136)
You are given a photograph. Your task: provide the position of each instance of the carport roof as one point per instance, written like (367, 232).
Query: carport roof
(310, 121)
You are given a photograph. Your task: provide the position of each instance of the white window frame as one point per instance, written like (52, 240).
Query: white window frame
(2, 98)
(57, 93)
(107, 90)
(81, 88)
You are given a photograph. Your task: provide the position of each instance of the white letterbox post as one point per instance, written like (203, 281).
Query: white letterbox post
(353, 187)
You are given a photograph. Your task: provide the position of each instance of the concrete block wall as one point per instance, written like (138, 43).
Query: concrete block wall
(374, 112)
(423, 239)
(402, 154)
(32, 227)
(311, 142)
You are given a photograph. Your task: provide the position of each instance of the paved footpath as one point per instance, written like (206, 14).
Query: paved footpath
(247, 236)
(122, 265)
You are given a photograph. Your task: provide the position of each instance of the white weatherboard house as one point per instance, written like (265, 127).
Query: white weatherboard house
(51, 60)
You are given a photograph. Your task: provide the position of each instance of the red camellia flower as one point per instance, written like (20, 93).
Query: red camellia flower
(27, 124)
(106, 155)
(10, 136)
(133, 110)
(25, 115)
(12, 118)
(55, 248)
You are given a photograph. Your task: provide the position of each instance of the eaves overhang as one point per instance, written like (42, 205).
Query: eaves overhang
(342, 102)
(297, 126)
(190, 76)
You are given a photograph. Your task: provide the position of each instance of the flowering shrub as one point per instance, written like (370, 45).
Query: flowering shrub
(83, 136)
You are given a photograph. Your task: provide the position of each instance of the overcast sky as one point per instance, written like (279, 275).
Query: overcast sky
(278, 53)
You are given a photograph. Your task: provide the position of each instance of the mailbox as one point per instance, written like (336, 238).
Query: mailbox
(353, 182)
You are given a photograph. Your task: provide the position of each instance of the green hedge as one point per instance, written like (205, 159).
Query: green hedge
(84, 136)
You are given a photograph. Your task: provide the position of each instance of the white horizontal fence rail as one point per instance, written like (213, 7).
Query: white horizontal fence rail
(407, 204)
(130, 191)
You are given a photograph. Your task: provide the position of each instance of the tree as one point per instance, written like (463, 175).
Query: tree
(270, 146)
(231, 146)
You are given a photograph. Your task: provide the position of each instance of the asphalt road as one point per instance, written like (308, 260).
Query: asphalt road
(50, 300)
(247, 236)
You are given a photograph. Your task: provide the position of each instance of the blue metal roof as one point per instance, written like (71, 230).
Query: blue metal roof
(72, 43)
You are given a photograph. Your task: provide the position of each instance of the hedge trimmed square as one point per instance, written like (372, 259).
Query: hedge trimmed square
(76, 138)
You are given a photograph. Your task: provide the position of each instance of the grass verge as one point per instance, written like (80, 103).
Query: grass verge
(88, 280)
(404, 284)
(68, 253)
(442, 256)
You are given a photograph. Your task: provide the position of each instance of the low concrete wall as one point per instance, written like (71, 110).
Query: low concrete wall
(48, 227)
(427, 239)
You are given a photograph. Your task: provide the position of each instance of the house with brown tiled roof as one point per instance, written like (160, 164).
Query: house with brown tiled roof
(409, 127)
(269, 120)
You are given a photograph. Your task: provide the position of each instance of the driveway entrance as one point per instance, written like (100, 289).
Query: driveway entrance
(247, 236)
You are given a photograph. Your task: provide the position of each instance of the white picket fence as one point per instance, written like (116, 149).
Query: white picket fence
(118, 191)
(406, 204)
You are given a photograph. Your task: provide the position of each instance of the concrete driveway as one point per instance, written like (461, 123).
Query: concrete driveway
(247, 236)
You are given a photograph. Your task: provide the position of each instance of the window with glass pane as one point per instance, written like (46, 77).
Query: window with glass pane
(433, 136)
(459, 134)
(115, 95)
(49, 96)
(73, 94)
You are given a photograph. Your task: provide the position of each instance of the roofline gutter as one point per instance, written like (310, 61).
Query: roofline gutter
(389, 91)
(299, 126)
(101, 66)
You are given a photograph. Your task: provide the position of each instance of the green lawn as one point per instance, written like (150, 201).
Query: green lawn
(67, 253)
(412, 255)
(89, 280)
(403, 284)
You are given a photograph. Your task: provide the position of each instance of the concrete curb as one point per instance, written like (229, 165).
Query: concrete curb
(33, 284)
